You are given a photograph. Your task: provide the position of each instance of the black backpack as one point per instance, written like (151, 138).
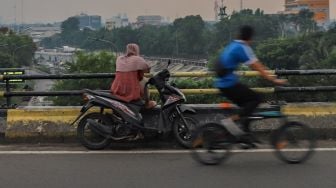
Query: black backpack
(220, 70)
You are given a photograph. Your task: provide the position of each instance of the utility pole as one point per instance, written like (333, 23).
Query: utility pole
(14, 28)
(216, 10)
(222, 11)
(21, 14)
(176, 44)
(241, 5)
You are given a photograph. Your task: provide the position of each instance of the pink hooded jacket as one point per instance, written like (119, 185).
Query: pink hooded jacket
(129, 71)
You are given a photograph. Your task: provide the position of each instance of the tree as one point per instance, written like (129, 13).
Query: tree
(156, 40)
(266, 26)
(304, 21)
(187, 37)
(70, 25)
(16, 50)
(101, 62)
(189, 34)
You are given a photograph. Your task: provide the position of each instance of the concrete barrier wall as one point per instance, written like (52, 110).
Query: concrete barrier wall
(54, 122)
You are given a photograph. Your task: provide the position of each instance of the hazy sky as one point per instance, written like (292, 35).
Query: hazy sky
(58, 10)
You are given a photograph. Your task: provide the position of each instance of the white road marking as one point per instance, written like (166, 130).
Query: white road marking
(144, 151)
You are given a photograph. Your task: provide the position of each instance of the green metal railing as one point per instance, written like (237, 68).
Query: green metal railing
(6, 78)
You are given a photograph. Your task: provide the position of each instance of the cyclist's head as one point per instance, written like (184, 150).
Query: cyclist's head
(246, 33)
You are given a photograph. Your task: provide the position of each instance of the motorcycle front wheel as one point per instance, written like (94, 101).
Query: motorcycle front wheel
(183, 129)
(89, 138)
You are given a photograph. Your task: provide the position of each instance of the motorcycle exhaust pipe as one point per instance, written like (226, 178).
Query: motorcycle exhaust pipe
(99, 128)
(104, 130)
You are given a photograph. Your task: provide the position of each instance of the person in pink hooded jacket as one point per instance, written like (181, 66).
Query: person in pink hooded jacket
(128, 83)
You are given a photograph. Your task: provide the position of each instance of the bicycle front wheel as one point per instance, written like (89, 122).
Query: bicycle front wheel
(294, 142)
(211, 144)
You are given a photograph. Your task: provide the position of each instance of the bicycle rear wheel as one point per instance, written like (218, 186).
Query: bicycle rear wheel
(294, 142)
(211, 144)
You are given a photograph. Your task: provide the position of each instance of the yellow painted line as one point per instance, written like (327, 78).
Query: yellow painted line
(49, 115)
(2, 93)
(321, 110)
(60, 115)
(213, 91)
(251, 73)
(18, 119)
(193, 74)
(211, 74)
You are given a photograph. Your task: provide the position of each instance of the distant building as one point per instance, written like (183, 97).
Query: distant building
(89, 21)
(155, 20)
(319, 7)
(39, 32)
(56, 56)
(117, 22)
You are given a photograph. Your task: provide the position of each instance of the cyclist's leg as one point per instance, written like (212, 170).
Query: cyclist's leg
(245, 98)
(230, 122)
(249, 103)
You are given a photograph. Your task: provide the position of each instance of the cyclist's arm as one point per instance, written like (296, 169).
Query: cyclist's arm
(249, 58)
(257, 66)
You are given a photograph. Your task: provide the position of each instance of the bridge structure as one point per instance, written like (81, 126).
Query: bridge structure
(193, 62)
(54, 122)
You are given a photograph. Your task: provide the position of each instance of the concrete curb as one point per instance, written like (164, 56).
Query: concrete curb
(52, 124)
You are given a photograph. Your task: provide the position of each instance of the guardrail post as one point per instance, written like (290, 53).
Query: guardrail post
(8, 99)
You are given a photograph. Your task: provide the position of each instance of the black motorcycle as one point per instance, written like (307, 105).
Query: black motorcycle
(118, 120)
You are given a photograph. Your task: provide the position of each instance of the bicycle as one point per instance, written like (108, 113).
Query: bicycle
(212, 142)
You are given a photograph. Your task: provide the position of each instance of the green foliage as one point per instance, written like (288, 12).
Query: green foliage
(152, 39)
(189, 34)
(187, 37)
(303, 52)
(205, 83)
(281, 53)
(70, 25)
(282, 42)
(191, 83)
(102, 62)
(16, 50)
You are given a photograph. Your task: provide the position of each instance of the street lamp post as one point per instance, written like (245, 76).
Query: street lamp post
(13, 61)
(108, 42)
(176, 43)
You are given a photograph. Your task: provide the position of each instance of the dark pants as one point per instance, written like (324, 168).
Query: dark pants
(245, 98)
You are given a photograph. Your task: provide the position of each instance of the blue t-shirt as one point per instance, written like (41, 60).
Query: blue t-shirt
(235, 53)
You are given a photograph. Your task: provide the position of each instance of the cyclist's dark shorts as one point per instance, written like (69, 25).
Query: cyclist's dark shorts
(241, 95)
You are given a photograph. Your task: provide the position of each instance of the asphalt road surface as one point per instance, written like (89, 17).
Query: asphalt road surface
(167, 168)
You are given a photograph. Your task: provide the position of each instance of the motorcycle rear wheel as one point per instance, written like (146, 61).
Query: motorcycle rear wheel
(90, 139)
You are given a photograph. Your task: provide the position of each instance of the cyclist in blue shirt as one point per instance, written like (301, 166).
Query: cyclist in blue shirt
(237, 52)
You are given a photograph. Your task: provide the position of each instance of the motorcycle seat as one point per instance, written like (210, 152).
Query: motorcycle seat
(104, 94)
(135, 104)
